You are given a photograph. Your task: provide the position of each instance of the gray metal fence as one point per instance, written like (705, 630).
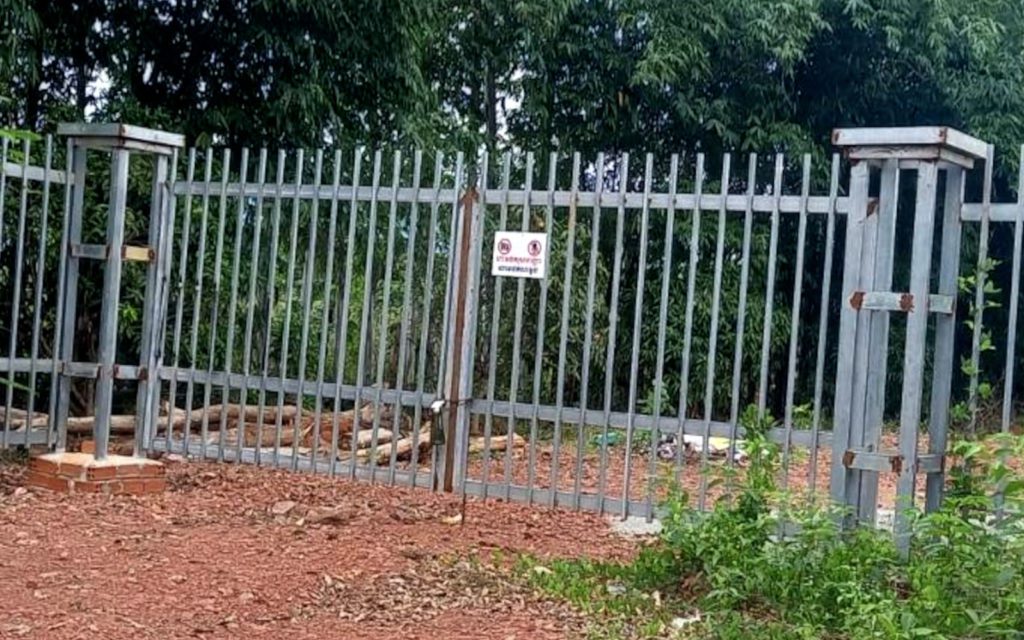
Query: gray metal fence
(334, 312)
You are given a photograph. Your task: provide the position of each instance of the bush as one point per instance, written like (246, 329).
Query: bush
(745, 579)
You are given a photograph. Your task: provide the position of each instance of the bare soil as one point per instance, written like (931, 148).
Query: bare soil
(244, 552)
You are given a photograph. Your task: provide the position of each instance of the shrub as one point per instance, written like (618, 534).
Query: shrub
(761, 565)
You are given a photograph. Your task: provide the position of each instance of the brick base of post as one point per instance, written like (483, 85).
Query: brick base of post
(82, 473)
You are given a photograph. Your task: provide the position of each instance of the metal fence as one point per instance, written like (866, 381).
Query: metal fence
(334, 312)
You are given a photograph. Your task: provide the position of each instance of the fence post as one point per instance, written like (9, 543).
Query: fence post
(858, 456)
(460, 358)
(121, 141)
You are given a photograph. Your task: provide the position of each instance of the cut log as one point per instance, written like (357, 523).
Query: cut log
(402, 447)
(498, 443)
(365, 438)
(17, 418)
(267, 436)
(347, 420)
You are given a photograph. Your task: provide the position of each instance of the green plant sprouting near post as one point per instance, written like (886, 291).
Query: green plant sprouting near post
(964, 414)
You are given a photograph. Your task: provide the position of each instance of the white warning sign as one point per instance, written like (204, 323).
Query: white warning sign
(520, 255)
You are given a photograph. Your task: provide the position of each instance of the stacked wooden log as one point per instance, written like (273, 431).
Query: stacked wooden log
(380, 435)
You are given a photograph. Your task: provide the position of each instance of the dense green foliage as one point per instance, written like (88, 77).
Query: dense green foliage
(589, 74)
(728, 575)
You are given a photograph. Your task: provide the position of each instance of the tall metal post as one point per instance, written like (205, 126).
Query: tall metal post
(120, 141)
(459, 360)
(858, 456)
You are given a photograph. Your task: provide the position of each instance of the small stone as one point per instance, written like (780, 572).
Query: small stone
(337, 516)
(177, 579)
(682, 623)
(282, 508)
(246, 597)
(616, 589)
(20, 491)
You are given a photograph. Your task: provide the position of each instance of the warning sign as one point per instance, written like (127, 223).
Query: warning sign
(520, 255)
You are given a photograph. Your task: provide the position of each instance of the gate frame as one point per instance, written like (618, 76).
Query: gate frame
(121, 141)
(868, 300)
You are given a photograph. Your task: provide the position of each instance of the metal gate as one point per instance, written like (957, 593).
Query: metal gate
(335, 313)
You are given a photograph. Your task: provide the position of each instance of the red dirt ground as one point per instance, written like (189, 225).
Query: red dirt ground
(210, 559)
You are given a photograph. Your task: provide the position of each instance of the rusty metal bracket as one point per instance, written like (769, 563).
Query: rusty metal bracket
(857, 300)
(907, 302)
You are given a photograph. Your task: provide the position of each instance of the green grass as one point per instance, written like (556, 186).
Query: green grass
(963, 580)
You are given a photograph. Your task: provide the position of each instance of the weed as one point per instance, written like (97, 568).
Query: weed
(729, 574)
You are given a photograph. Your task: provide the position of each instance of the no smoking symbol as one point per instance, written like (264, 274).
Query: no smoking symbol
(504, 247)
(534, 248)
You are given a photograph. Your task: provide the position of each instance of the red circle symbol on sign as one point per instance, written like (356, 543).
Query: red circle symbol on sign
(534, 248)
(504, 246)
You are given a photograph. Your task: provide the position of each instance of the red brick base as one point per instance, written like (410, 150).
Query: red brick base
(82, 473)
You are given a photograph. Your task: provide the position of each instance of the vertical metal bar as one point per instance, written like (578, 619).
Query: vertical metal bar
(538, 359)
(492, 364)
(666, 281)
(794, 322)
(211, 351)
(107, 342)
(448, 333)
(271, 303)
(826, 289)
(856, 439)
(161, 226)
(691, 283)
(364, 322)
(716, 306)
(769, 296)
(563, 336)
(19, 257)
(250, 306)
(517, 334)
(878, 338)
(741, 311)
(341, 348)
(4, 145)
(196, 307)
(849, 318)
(613, 319)
(459, 346)
(914, 356)
(329, 279)
(67, 316)
(425, 325)
(385, 311)
(403, 330)
(39, 283)
(588, 320)
(979, 291)
(308, 275)
(467, 346)
(56, 381)
(638, 318)
(1011, 334)
(229, 345)
(293, 245)
(186, 228)
(945, 328)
